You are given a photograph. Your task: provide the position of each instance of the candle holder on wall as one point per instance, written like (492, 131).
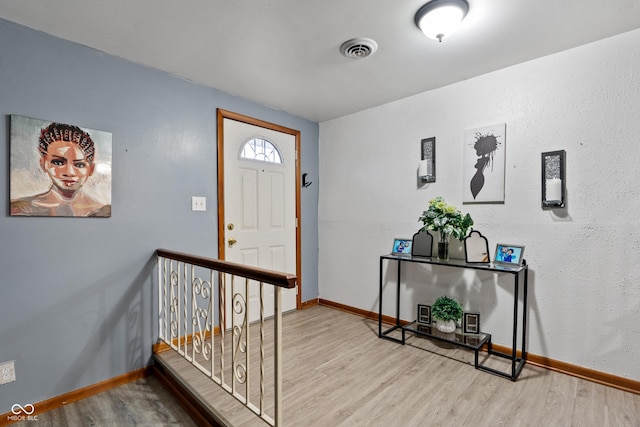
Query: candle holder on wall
(427, 166)
(553, 179)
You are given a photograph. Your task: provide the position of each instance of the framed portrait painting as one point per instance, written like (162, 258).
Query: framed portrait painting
(484, 164)
(59, 169)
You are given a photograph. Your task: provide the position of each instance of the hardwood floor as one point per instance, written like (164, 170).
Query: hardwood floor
(144, 402)
(337, 372)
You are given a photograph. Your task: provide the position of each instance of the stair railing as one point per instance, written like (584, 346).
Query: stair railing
(192, 304)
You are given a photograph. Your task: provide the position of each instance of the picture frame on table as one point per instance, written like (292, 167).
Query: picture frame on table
(508, 255)
(401, 246)
(424, 315)
(471, 323)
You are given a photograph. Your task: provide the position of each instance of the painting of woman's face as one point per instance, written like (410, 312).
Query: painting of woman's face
(66, 165)
(59, 169)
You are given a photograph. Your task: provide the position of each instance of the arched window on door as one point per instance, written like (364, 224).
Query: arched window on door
(262, 150)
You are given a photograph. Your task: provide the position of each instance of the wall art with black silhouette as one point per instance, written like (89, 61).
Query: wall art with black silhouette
(484, 169)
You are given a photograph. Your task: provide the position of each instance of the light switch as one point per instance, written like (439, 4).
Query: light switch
(198, 203)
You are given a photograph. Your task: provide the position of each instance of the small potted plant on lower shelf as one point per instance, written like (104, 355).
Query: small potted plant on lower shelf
(446, 312)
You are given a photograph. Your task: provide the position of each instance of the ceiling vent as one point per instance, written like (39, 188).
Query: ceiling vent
(358, 48)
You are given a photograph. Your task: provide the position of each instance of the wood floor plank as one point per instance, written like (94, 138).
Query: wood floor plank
(589, 407)
(620, 408)
(559, 400)
(140, 403)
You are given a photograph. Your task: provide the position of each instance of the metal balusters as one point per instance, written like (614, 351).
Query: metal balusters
(223, 322)
(262, 411)
(186, 311)
(277, 349)
(185, 330)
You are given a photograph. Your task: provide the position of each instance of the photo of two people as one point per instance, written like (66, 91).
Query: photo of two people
(508, 254)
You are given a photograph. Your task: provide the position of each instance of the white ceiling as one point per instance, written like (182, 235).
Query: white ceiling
(285, 53)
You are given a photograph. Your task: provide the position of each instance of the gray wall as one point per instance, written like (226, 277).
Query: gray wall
(77, 294)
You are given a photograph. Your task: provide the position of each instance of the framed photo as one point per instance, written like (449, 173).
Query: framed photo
(424, 315)
(484, 164)
(508, 255)
(471, 323)
(401, 246)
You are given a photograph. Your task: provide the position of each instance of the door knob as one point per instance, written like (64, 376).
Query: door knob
(232, 242)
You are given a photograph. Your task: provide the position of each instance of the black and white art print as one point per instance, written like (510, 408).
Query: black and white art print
(484, 164)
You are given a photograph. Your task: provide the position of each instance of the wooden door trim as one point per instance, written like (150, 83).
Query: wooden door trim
(225, 114)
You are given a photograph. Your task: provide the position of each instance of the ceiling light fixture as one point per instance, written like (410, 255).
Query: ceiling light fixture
(439, 18)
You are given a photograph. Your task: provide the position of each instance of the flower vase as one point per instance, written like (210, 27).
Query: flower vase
(443, 246)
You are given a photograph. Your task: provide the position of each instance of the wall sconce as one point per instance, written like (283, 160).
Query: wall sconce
(553, 179)
(427, 166)
(439, 18)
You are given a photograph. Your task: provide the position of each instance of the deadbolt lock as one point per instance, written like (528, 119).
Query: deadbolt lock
(230, 226)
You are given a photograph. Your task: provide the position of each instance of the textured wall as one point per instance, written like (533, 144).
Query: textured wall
(584, 293)
(77, 301)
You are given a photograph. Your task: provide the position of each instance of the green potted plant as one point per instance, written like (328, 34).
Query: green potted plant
(446, 311)
(448, 220)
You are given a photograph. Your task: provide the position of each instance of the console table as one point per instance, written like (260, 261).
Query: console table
(474, 342)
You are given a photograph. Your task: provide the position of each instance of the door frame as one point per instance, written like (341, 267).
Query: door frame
(225, 114)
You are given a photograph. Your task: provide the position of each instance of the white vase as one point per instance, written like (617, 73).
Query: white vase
(446, 326)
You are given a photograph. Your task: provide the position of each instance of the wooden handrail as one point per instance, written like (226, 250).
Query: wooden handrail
(284, 280)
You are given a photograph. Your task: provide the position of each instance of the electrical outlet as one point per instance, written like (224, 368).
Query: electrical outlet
(7, 372)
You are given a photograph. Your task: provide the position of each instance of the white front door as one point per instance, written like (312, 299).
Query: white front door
(259, 209)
